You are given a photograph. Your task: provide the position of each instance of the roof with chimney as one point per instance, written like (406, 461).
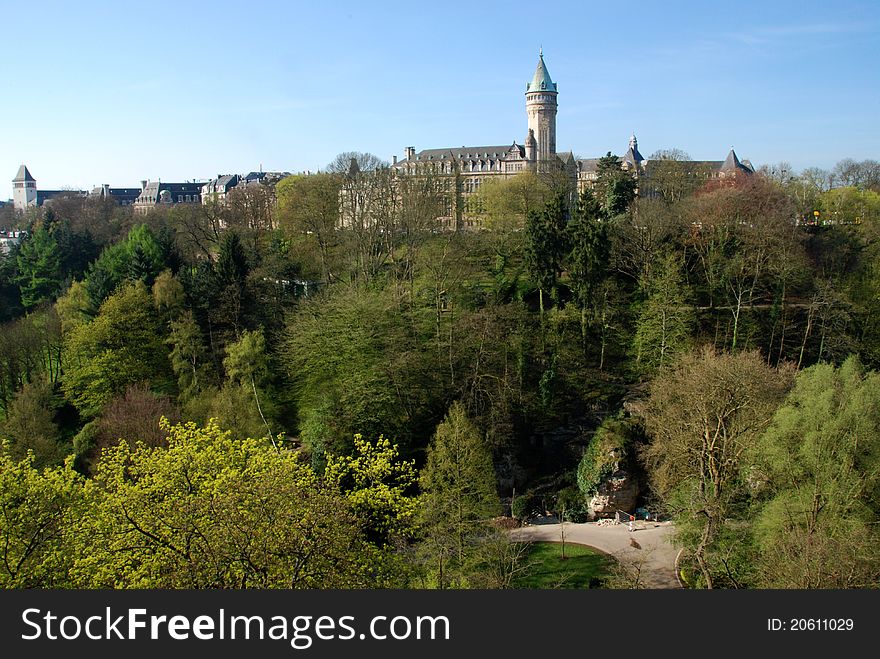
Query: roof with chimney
(504, 152)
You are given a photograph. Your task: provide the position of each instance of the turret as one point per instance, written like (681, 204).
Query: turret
(541, 110)
(24, 190)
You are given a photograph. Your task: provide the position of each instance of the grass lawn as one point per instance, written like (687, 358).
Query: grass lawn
(548, 570)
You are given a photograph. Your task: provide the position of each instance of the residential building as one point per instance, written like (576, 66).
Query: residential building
(157, 194)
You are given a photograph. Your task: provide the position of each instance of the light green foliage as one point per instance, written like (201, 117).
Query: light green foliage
(505, 203)
(39, 268)
(245, 361)
(308, 209)
(123, 345)
(460, 496)
(188, 355)
(850, 205)
(37, 509)
(74, 308)
(378, 485)
(355, 369)
(663, 329)
(212, 511)
(168, 294)
(820, 461)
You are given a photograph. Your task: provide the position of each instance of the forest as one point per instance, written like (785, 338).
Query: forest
(323, 385)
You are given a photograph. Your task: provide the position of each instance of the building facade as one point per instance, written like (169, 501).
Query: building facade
(156, 194)
(474, 165)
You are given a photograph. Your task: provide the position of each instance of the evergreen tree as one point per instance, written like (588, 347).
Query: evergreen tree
(39, 268)
(588, 254)
(546, 246)
(615, 188)
(460, 495)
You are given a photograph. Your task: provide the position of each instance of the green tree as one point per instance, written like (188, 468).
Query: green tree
(247, 369)
(212, 511)
(615, 188)
(663, 326)
(379, 486)
(309, 206)
(820, 463)
(123, 345)
(703, 418)
(39, 268)
(188, 355)
(30, 425)
(38, 510)
(588, 255)
(460, 495)
(546, 246)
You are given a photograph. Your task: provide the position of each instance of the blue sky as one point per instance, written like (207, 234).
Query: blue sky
(114, 93)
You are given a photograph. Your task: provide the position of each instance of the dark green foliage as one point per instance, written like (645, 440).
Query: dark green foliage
(523, 506)
(140, 257)
(39, 268)
(546, 245)
(615, 188)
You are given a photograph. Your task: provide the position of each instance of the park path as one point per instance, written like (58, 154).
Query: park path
(655, 553)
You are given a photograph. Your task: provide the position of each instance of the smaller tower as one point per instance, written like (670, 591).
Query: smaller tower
(531, 147)
(633, 160)
(24, 190)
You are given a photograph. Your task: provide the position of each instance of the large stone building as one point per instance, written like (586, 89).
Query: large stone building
(475, 164)
(156, 194)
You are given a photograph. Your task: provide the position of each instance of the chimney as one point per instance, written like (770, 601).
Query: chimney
(143, 185)
(410, 153)
(393, 160)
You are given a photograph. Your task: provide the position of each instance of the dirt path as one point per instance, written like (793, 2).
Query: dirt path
(656, 552)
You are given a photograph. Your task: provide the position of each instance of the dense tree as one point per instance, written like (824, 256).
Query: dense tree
(39, 268)
(458, 482)
(703, 417)
(588, 255)
(546, 246)
(664, 324)
(30, 425)
(379, 487)
(212, 511)
(615, 188)
(123, 345)
(820, 463)
(38, 510)
(308, 205)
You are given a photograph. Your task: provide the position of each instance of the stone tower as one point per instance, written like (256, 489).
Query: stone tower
(541, 110)
(24, 190)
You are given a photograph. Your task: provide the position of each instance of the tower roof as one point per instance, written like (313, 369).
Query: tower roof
(23, 175)
(632, 155)
(541, 82)
(732, 163)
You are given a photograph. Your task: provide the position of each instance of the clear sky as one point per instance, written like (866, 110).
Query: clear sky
(117, 92)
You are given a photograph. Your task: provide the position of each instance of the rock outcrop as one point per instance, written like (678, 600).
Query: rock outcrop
(620, 491)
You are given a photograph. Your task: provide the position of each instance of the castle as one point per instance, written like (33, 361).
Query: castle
(476, 164)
